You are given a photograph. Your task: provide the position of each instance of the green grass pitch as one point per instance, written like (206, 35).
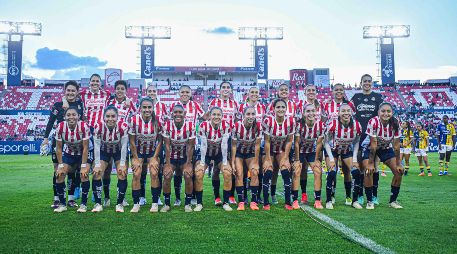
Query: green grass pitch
(427, 224)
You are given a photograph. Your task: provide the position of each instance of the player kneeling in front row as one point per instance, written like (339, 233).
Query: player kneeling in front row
(383, 132)
(214, 135)
(110, 143)
(179, 141)
(246, 137)
(73, 135)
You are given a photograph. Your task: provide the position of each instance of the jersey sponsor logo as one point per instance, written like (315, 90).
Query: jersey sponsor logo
(366, 107)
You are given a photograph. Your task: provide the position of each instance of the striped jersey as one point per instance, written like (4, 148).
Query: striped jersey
(421, 138)
(278, 132)
(332, 109)
(146, 133)
(246, 138)
(124, 111)
(193, 110)
(384, 134)
(178, 137)
(259, 111)
(72, 138)
(229, 108)
(445, 132)
(309, 135)
(111, 139)
(214, 136)
(94, 104)
(160, 110)
(291, 109)
(340, 137)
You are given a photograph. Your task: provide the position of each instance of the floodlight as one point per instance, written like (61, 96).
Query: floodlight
(390, 31)
(266, 33)
(148, 32)
(20, 28)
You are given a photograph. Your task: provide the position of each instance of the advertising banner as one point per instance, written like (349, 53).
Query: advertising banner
(14, 63)
(112, 75)
(261, 61)
(387, 64)
(297, 77)
(147, 61)
(19, 147)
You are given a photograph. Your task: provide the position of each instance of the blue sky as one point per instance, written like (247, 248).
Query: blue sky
(89, 35)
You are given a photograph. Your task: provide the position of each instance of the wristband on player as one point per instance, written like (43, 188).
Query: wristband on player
(61, 165)
(83, 165)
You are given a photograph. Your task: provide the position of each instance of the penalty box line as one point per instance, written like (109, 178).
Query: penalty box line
(346, 232)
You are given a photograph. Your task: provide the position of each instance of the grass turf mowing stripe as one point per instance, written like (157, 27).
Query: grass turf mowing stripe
(345, 231)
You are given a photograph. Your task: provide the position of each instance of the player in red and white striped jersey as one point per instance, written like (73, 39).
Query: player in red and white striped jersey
(283, 93)
(72, 149)
(278, 133)
(145, 147)
(110, 144)
(125, 106)
(228, 105)
(383, 133)
(331, 107)
(194, 111)
(94, 100)
(160, 109)
(309, 135)
(253, 101)
(246, 137)
(311, 93)
(179, 142)
(214, 135)
(342, 137)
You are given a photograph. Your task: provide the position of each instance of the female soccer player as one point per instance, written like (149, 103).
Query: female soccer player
(71, 89)
(214, 135)
(342, 141)
(145, 147)
(194, 113)
(445, 133)
(246, 137)
(331, 108)
(309, 135)
(73, 136)
(383, 133)
(110, 143)
(278, 133)
(311, 93)
(421, 148)
(179, 141)
(407, 136)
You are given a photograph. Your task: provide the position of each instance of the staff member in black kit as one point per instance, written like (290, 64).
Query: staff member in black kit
(367, 106)
(71, 90)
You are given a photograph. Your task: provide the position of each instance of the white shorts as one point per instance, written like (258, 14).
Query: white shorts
(405, 150)
(421, 152)
(445, 148)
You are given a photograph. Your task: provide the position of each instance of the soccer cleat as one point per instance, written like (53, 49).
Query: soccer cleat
(188, 209)
(356, 205)
(160, 202)
(383, 174)
(329, 205)
(72, 203)
(227, 207)
(430, 174)
(274, 201)
(142, 201)
(154, 208)
(370, 205)
(254, 206)
(240, 206)
(360, 200)
(288, 207)
(177, 202)
(232, 200)
(60, 209)
(445, 173)
(348, 201)
(77, 193)
(375, 200)
(193, 201)
(198, 208)
(395, 205)
(55, 204)
(97, 208)
(318, 205)
(119, 208)
(106, 202)
(295, 205)
(422, 174)
(125, 203)
(266, 207)
(218, 201)
(441, 173)
(136, 208)
(165, 209)
(82, 209)
(304, 198)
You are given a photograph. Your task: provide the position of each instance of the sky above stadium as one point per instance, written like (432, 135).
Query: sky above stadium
(82, 37)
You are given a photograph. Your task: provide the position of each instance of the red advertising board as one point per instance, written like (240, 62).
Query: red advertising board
(297, 77)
